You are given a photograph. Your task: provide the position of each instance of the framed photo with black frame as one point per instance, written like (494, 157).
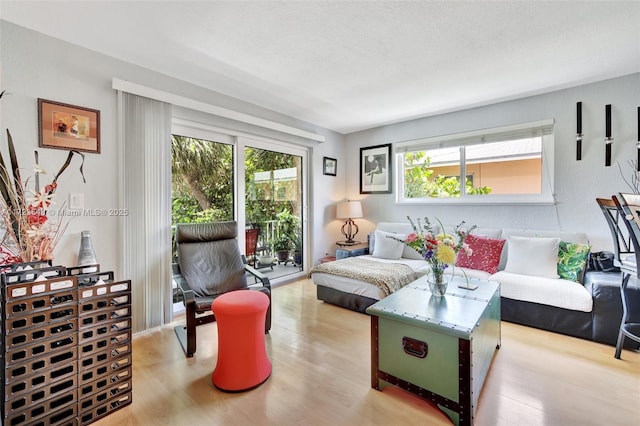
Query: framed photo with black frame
(375, 169)
(329, 166)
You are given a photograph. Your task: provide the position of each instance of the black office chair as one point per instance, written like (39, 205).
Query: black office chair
(628, 206)
(209, 265)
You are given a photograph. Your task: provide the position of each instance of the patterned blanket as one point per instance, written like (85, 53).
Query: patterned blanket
(389, 277)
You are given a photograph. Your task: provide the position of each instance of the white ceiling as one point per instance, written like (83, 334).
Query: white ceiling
(348, 65)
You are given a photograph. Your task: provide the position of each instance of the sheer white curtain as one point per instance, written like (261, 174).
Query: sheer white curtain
(145, 130)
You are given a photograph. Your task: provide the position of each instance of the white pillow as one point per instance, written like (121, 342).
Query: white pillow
(533, 256)
(410, 253)
(388, 248)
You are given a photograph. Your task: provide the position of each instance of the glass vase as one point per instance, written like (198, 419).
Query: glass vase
(438, 283)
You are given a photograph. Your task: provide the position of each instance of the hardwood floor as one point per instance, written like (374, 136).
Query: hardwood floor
(321, 367)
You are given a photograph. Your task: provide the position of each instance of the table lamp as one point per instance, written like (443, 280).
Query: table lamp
(349, 210)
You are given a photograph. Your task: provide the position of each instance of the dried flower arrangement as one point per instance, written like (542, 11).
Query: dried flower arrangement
(29, 234)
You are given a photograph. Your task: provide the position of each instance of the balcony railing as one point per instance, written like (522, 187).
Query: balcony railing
(269, 231)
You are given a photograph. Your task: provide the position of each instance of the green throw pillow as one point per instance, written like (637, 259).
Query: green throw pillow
(572, 260)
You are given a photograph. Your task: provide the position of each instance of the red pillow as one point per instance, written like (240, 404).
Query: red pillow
(485, 254)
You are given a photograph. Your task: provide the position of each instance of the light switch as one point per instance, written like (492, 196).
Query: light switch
(76, 200)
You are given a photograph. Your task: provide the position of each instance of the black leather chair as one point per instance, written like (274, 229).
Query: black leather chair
(629, 207)
(209, 265)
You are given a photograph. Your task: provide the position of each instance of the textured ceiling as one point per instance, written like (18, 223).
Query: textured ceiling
(352, 65)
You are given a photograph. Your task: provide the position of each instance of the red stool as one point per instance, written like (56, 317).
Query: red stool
(242, 355)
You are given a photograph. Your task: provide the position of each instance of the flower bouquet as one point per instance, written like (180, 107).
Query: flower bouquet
(440, 250)
(28, 234)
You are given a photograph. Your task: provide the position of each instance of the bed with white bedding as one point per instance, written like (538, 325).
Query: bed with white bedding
(357, 292)
(345, 285)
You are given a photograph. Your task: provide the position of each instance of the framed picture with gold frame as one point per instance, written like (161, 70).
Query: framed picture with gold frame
(64, 126)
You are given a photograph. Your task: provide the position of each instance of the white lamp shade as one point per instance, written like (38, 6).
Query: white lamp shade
(349, 210)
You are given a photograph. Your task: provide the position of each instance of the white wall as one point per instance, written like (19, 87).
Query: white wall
(37, 66)
(34, 65)
(577, 184)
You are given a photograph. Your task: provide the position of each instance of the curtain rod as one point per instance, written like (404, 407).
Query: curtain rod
(160, 95)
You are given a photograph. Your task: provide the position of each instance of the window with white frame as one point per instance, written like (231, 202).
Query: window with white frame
(511, 164)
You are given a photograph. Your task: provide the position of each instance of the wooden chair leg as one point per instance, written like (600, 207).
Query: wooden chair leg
(267, 322)
(191, 330)
(187, 333)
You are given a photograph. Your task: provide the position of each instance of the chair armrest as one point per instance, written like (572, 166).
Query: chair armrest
(187, 293)
(266, 289)
(259, 275)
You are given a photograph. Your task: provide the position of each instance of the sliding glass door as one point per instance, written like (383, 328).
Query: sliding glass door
(259, 183)
(274, 202)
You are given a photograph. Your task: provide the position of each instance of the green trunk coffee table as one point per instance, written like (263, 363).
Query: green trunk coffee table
(438, 349)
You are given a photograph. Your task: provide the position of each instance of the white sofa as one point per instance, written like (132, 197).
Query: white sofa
(589, 309)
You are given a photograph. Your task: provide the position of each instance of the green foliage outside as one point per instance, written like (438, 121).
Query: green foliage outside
(202, 186)
(261, 208)
(290, 237)
(420, 181)
(185, 209)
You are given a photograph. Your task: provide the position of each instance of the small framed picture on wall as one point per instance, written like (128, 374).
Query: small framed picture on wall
(375, 169)
(65, 126)
(329, 166)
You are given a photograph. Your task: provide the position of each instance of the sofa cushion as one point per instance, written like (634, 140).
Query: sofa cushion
(572, 261)
(387, 245)
(488, 232)
(533, 256)
(485, 254)
(479, 231)
(398, 228)
(571, 237)
(468, 273)
(546, 291)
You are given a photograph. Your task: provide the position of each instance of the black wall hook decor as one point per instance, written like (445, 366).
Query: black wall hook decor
(607, 139)
(579, 131)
